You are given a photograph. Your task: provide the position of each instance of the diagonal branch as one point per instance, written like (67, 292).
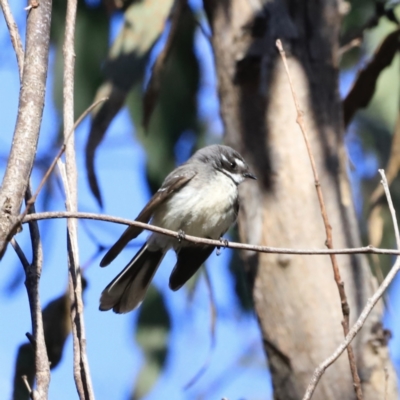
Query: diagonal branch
(14, 35)
(368, 307)
(328, 230)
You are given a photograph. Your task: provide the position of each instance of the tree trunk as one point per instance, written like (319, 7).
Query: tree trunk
(296, 297)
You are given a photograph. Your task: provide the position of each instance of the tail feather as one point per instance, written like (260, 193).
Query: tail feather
(190, 259)
(130, 233)
(127, 290)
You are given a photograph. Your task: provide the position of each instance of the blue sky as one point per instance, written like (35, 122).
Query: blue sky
(237, 368)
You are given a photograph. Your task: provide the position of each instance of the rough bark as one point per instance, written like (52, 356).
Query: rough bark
(296, 298)
(30, 110)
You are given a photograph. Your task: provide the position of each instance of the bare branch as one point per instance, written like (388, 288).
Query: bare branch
(14, 35)
(328, 230)
(30, 110)
(20, 253)
(33, 273)
(81, 366)
(210, 242)
(28, 386)
(367, 309)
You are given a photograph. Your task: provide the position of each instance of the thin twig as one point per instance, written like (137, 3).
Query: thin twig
(20, 253)
(353, 43)
(210, 242)
(32, 200)
(27, 385)
(391, 207)
(81, 365)
(367, 309)
(14, 35)
(328, 229)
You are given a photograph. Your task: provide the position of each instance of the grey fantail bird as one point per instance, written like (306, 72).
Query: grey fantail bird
(199, 198)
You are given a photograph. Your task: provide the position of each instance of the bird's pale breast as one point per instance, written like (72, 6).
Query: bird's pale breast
(200, 210)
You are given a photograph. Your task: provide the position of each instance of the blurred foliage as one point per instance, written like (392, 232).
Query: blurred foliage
(143, 24)
(176, 110)
(120, 73)
(91, 47)
(152, 335)
(57, 327)
(242, 281)
(376, 124)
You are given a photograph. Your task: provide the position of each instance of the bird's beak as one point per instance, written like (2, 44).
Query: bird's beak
(249, 175)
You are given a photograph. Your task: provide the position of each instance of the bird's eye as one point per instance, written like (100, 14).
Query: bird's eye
(233, 164)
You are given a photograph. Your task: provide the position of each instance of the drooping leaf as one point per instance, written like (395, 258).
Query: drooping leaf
(24, 366)
(57, 327)
(91, 46)
(144, 22)
(175, 114)
(152, 335)
(364, 86)
(213, 324)
(153, 88)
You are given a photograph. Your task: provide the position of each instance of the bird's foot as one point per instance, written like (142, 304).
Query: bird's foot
(224, 243)
(181, 235)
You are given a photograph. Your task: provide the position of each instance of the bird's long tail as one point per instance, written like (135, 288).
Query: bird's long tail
(127, 290)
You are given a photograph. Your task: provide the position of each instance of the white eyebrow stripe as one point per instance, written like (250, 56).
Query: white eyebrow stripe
(224, 158)
(239, 162)
(237, 178)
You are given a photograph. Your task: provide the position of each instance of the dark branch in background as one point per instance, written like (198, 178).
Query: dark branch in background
(33, 273)
(373, 21)
(30, 110)
(81, 366)
(328, 230)
(153, 88)
(14, 35)
(368, 307)
(210, 242)
(364, 86)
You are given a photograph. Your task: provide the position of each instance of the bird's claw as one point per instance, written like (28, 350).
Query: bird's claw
(181, 235)
(224, 243)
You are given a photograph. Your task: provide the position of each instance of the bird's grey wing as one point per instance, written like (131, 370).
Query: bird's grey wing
(190, 259)
(174, 182)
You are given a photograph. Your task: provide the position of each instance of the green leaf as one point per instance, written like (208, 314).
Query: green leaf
(152, 335)
(176, 109)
